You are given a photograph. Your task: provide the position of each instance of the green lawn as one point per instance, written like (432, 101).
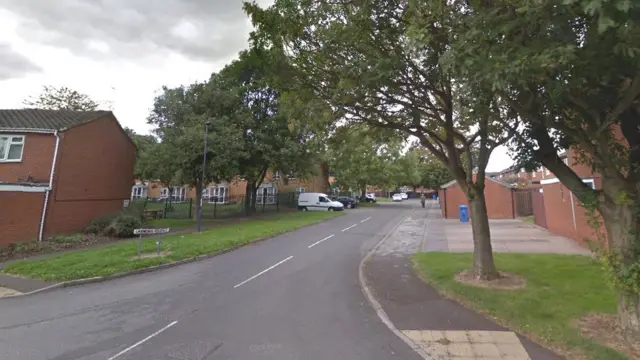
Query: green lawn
(560, 289)
(529, 219)
(121, 257)
(383, 199)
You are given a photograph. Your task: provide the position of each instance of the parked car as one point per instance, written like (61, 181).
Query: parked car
(404, 196)
(396, 197)
(318, 202)
(370, 198)
(348, 202)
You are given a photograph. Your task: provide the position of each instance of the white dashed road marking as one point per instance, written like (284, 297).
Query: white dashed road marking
(263, 271)
(367, 219)
(141, 341)
(350, 227)
(318, 242)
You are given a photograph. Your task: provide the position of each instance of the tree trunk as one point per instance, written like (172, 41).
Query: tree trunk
(198, 207)
(254, 198)
(247, 198)
(483, 266)
(623, 237)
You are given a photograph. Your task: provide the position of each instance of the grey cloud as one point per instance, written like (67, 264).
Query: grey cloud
(211, 30)
(14, 65)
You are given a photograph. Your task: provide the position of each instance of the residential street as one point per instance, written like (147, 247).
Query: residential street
(296, 296)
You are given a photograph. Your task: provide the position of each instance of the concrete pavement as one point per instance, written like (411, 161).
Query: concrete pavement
(440, 327)
(296, 296)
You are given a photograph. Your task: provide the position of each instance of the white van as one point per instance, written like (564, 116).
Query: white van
(318, 202)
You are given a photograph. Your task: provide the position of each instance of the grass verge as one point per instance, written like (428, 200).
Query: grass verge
(120, 257)
(528, 219)
(560, 289)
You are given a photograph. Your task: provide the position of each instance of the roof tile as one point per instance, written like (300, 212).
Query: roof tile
(37, 119)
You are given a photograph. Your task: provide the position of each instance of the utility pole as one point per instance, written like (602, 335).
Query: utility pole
(204, 173)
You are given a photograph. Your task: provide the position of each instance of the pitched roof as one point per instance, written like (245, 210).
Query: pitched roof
(453, 182)
(36, 119)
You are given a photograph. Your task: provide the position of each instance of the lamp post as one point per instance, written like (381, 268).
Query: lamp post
(204, 166)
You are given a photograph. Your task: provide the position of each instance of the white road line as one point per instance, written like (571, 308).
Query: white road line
(350, 227)
(318, 242)
(141, 341)
(367, 219)
(262, 272)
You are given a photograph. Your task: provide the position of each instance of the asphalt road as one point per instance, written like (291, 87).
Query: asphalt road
(291, 297)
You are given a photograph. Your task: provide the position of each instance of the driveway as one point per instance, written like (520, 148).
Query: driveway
(506, 236)
(296, 296)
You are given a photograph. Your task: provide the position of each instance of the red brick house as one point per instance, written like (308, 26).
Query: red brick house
(519, 176)
(559, 210)
(231, 191)
(500, 197)
(60, 169)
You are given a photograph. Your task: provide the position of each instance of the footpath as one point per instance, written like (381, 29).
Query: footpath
(441, 328)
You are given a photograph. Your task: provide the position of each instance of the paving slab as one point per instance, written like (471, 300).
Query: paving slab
(509, 235)
(21, 284)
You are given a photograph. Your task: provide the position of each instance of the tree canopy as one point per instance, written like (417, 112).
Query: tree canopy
(61, 98)
(361, 59)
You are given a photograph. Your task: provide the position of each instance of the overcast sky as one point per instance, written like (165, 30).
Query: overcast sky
(121, 51)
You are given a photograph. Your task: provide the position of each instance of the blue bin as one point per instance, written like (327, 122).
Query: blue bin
(464, 213)
(435, 196)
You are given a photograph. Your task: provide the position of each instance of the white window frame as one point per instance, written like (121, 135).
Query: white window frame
(205, 193)
(299, 190)
(534, 174)
(214, 192)
(271, 194)
(10, 143)
(179, 194)
(164, 193)
(142, 189)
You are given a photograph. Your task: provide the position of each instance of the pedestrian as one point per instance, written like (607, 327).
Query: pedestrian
(423, 199)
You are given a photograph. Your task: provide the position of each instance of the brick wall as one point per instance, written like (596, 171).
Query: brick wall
(37, 157)
(560, 211)
(500, 201)
(94, 175)
(22, 223)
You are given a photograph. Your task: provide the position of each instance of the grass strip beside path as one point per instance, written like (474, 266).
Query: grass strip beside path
(121, 257)
(560, 289)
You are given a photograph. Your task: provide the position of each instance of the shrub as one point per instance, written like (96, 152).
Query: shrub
(66, 239)
(98, 225)
(123, 226)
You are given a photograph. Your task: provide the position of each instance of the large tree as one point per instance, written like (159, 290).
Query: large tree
(145, 144)
(358, 57)
(61, 98)
(359, 158)
(180, 115)
(571, 72)
(269, 138)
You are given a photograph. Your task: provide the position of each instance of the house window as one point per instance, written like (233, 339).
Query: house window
(138, 192)
(276, 175)
(205, 193)
(533, 174)
(164, 193)
(270, 196)
(219, 194)
(299, 190)
(11, 147)
(179, 194)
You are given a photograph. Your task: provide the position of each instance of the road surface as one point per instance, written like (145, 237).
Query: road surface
(296, 296)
